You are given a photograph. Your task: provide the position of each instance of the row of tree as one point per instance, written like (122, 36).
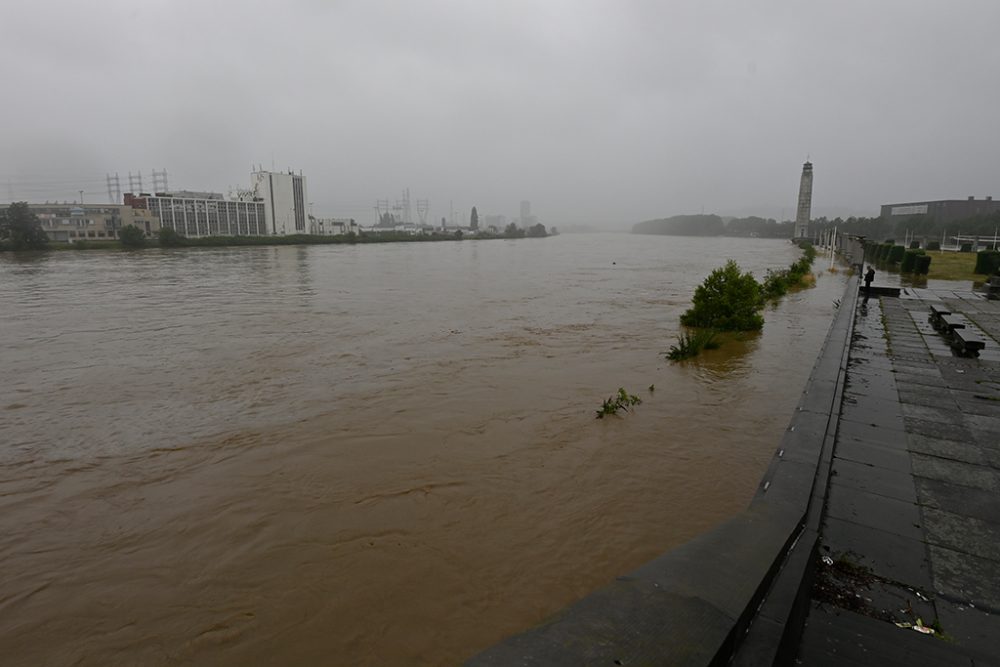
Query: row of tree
(713, 225)
(874, 228)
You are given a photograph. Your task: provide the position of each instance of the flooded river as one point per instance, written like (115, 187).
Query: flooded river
(366, 455)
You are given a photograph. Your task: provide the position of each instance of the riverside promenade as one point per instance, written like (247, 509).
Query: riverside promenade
(880, 511)
(910, 534)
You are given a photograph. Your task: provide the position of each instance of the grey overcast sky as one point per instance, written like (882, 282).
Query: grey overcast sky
(603, 113)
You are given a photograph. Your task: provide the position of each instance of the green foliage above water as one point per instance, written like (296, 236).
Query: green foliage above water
(777, 283)
(690, 344)
(728, 300)
(620, 401)
(731, 300)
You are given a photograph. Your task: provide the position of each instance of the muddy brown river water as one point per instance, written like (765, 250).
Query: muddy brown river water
(365, 455)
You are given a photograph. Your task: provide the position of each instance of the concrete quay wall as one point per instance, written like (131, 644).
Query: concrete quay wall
(734, 595)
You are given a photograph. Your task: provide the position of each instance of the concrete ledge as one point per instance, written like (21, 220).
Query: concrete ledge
(881, 291)
(738, 586)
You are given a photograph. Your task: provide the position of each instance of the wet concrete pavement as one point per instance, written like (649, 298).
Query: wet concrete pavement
(911, 527)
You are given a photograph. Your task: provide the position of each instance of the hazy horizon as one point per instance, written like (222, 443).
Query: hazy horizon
(599, 113)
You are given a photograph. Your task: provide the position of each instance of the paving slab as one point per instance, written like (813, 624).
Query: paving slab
(936, 429)
(868, 433)
(946, 449)
(891, 515)
(972, 628)
(874, 479)
(917, 504)
(890, 457)
(956, 472)
(937, 415)
(838, 637)
(887, 555)
(962, 533)
(973, 503)
(964, 578)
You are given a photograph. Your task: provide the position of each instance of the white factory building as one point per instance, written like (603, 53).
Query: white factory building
(284, 196)
(274, 205)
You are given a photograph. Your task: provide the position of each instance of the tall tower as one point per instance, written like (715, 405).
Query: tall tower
(805, 202)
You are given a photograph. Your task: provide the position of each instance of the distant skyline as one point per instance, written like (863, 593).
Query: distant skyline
(599, 113)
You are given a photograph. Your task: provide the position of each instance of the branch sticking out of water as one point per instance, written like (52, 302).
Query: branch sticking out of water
(620, 401)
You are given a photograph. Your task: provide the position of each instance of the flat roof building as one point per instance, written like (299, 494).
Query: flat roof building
(284, 196)
(941, 210)
(195, 217)
(69, 223)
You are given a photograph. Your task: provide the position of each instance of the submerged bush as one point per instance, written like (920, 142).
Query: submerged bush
(690, 344)
(728, 300)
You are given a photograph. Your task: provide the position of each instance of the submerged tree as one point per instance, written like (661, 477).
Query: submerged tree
(728, 300)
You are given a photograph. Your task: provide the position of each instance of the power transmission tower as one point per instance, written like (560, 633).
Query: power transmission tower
(114, 188)
(403, 207)
(382, 207)
(160, 181)
(135, 182)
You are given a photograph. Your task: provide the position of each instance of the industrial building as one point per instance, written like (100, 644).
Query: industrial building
(274, 205)
(941, 210)
(197, 214)
(284, 197)
(69, 223)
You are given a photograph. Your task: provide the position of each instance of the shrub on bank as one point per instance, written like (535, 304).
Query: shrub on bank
(933, 245)
(987, 262)
(132, 237)
(896, 254)
(922, 264)
(910, 260)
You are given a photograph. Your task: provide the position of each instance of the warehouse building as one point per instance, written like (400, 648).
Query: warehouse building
(941, 210)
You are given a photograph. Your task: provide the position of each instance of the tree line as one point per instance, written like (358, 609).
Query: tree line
(873, 228)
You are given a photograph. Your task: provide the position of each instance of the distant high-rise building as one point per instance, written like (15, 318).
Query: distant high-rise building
(525, 212)
(805, 202)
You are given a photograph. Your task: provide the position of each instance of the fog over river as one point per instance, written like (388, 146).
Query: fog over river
(368, 455)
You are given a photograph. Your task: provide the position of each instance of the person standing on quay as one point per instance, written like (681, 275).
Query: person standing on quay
(869, 277)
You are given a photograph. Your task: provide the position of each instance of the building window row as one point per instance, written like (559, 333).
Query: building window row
(198, 217)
